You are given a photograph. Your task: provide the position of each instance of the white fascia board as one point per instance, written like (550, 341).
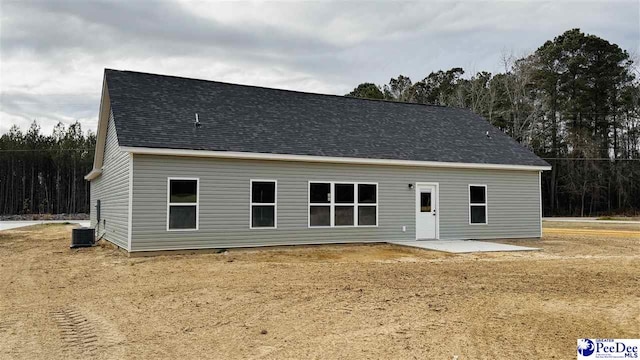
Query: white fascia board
(324, 159)
(101, 135)
(93, 174)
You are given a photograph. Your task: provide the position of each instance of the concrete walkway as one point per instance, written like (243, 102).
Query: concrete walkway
(6, 225)
(462, 246)
(589, 220)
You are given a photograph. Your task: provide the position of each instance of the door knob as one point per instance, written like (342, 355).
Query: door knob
(434, 212)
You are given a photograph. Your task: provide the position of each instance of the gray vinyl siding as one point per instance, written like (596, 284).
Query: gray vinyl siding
(112, 189)
(513, 202)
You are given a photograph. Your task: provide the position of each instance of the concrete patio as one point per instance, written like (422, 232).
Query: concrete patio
(462, 246)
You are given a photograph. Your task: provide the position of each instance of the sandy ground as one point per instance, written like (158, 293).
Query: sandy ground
(322, 302)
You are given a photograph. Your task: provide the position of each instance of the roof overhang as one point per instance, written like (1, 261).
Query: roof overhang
(326, 159)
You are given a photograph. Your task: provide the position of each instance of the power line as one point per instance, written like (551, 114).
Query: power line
(590, 159)
(40, 150)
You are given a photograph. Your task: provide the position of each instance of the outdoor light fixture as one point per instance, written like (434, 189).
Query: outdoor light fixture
(410, 186)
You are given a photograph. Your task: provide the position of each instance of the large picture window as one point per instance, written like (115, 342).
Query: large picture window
(478, 204)
(182, 204)
(264, 212)
(343, 204)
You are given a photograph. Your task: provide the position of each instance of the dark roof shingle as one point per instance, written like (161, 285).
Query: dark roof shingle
(158, 111)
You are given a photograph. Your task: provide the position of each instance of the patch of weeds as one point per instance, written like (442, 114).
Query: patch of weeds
(606, 218)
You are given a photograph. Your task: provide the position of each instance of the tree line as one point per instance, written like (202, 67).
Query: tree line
(574, 102)
(45, 173)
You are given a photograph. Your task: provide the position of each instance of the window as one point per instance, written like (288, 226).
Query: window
(263, 212)
(478, 204)
(344, 212)
(182, 204)
(319, 204)
(342, 204)
(367, 204)
(425, 202)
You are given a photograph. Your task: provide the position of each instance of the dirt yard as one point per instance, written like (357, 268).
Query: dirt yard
(323, 302)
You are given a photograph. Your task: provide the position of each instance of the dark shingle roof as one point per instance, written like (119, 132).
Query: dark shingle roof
(158, 111)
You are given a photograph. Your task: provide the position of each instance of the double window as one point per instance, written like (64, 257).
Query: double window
(343, 204)
(264, 212)
(182, 203)
(478, 204)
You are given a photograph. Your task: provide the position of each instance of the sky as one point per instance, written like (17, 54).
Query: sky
(53, 53)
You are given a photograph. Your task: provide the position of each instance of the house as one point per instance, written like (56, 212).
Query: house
(192, 164)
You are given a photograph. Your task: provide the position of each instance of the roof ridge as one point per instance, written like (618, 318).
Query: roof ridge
(286, 90)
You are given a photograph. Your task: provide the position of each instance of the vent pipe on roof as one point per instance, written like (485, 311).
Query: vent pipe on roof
(197, 122)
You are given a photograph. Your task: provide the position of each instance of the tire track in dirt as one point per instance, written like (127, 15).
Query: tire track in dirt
(9, 338)
(77, 332)
(6, 325)
(85, 335)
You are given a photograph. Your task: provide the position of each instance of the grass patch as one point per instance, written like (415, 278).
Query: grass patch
(621, 218)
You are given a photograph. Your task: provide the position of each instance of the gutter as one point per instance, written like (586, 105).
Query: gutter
(324, 159)
(93, 174)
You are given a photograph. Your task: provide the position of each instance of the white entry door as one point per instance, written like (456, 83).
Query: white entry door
(426, 212)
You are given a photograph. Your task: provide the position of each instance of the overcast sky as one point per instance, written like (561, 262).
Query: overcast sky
(52, 53)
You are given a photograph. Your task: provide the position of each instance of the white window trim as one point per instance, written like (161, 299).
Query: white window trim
(485, 204)
(274, 204)
(332, 204)
(197, 203)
